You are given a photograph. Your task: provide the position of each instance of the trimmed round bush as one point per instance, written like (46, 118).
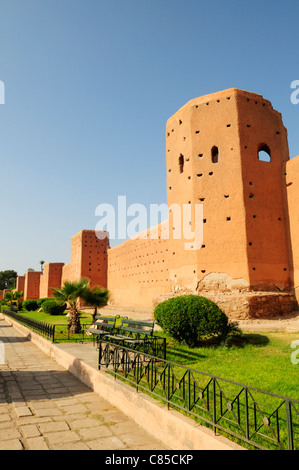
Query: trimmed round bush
(51, 307)
(30, 305)
(41, 301)
(191, 319)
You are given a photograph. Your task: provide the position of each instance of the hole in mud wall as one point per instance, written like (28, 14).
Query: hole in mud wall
(264, 153)
(181, 163)
(215, 154)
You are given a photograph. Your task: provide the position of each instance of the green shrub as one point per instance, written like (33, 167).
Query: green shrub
(51, 307)
(41, 301)
(191, 319)
(30, 305)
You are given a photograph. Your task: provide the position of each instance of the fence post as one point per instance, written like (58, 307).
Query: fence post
(289, 425)
(246, 413)
(214, 404)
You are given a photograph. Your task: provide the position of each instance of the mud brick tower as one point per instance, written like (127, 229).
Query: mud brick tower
(20, 285)
(31, 286)
(227, 151)
(213, 149)
(88, 259)
(51, 278)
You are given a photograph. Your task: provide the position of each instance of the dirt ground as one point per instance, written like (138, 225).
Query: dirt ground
(288, 323)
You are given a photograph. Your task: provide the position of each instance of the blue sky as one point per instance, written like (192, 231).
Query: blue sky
(89, 86)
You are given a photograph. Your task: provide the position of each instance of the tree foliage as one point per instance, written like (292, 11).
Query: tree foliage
(8, 279)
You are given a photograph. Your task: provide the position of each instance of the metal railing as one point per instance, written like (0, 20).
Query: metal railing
(45, 329)
(155, 345)
(250, 415)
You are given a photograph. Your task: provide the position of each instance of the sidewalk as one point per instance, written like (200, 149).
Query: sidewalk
(44, 407)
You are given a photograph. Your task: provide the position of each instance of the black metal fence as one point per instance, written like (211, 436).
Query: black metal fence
(45, 329)
(255, 417)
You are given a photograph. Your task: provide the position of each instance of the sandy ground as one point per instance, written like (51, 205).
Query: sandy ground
(288, 323)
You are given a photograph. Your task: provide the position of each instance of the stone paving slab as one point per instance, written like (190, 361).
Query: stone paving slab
(44, 407)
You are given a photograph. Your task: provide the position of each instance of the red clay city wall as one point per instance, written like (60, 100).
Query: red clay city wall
(88, 259)
(20, 285)
(51, 278)
(31, 286)
(292, 217)
(212, 158)
(248, 260)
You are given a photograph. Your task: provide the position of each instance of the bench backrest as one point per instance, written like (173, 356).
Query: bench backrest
(105, 323)
(137, 327)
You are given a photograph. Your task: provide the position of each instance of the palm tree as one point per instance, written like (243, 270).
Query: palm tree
(17, 296)
(70, 293)
(42, 266)
(96, 297)
(9, 297)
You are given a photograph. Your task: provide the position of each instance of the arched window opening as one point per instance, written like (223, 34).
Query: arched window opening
(215, 154)
(181, 163)
(264, 153)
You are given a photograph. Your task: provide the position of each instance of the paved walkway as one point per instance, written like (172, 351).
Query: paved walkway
(44, 407)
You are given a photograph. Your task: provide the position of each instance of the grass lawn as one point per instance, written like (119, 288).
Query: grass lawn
(54, 319)
(262, 361)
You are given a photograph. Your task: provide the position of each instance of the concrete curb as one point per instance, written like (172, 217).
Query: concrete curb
(172, 428)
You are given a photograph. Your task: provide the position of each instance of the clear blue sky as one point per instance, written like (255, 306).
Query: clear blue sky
(89, 86)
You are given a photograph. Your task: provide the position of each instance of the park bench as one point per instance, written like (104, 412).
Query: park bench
(133, 332)
(102, 326)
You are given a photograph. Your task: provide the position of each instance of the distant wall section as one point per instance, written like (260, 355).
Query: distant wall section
(31, 285)
(88, 259)
(51, 278)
